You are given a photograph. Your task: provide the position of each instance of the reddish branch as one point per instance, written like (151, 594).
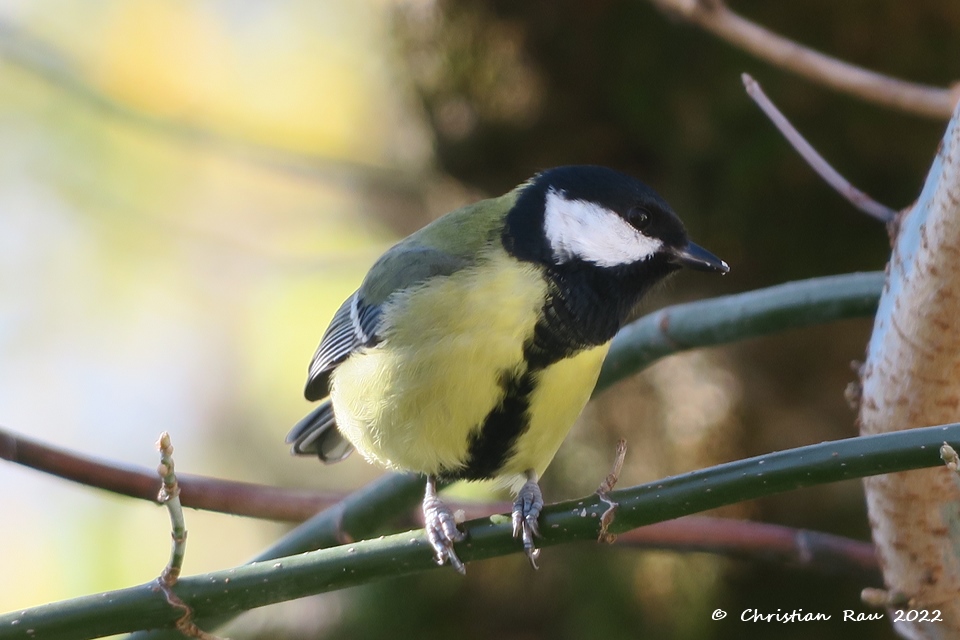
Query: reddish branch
(198, 492)
(807, 549)
(831, 176)
(822, 552)
(716, 17)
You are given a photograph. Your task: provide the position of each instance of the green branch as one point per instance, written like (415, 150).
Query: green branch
(262, 583)
(707, 323)
(356, 517)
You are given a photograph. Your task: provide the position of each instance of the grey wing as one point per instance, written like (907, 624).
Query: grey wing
(317, 435)
(354, 326)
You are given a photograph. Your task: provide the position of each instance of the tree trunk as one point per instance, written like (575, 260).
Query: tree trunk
(912, 379)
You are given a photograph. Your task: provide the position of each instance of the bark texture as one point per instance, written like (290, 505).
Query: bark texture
(912, 379)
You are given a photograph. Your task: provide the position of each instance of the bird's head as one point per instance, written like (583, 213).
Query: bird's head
(596, 217)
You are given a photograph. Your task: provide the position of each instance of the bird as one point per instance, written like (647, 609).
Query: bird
(472, 346)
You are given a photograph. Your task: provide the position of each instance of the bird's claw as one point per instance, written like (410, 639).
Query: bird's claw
(526, 511)
(442, 532)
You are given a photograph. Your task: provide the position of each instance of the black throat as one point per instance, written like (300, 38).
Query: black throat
(585, 307)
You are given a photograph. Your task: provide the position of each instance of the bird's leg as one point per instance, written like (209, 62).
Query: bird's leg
(441, 527)
(526, 510)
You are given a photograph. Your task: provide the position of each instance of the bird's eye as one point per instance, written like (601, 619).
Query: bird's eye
(639, 218)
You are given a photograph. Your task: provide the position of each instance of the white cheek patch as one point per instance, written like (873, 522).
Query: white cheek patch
(585, 230)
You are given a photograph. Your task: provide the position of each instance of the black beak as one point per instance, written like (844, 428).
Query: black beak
(696, 257)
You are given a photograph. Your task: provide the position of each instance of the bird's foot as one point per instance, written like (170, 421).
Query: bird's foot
(441, 527)
(526, 511)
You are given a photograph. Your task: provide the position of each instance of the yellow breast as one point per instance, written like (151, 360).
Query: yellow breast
(414, 401)
(562, 391)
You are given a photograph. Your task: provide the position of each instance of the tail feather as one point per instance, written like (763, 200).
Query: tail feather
(317, 435)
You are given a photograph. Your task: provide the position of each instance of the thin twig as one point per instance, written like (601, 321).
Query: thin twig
(185, 624)
(910, 97)
(950, 458)
(603, 491)
(841, 185)
(170, 495)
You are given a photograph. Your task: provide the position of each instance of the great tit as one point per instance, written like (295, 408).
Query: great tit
(472, 345)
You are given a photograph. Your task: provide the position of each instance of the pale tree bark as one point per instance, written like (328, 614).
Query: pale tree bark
(912, 379)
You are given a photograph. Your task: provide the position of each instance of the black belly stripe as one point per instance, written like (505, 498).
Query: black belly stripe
(572, 319)
(492, 445)
(556, 336)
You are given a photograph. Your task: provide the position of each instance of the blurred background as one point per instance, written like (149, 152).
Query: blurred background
(188, 190)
